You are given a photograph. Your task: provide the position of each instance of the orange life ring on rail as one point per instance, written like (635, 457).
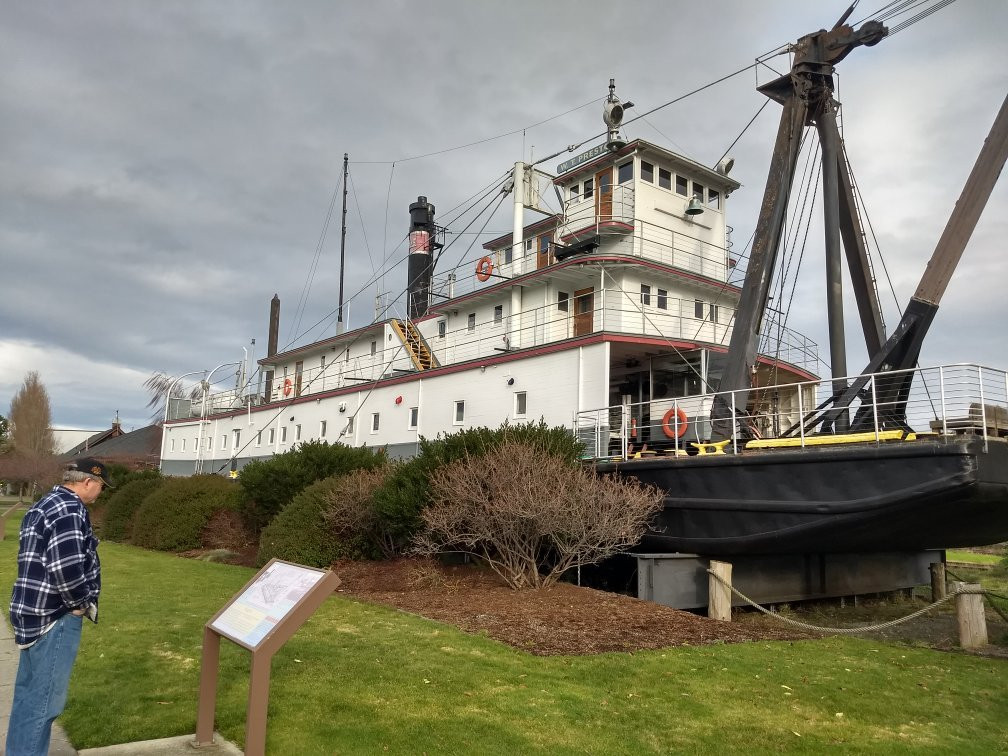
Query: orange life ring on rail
(683, 421)
(288, 386)
(484, 268)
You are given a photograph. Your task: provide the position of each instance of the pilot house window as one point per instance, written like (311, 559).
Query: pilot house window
(624, 174)
(645, 294)
(647, 171)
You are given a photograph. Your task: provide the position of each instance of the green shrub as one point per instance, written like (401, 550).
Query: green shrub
(406, 491)
(301, 534)
(174, 517)
(122, 505)
(270, 484)
(120, 475)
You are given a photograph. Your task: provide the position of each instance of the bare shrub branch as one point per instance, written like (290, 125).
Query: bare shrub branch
(531, 515)
(349, 509)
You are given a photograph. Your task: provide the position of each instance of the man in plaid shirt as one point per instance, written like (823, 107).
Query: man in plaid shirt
(58, 582)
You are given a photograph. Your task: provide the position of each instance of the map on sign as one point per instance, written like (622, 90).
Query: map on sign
(263, 604)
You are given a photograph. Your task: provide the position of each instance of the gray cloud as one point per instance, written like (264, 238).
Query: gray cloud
(167, 167)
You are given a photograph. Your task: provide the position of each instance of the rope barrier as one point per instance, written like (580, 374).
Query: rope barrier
(988, 595)
(845, 630)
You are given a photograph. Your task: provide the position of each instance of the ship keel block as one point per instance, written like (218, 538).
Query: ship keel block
(681, 580)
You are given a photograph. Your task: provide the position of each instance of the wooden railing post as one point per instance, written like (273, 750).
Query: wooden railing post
(970, 614)
(719, 591)
(938, 590)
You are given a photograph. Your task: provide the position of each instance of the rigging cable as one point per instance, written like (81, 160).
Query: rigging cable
(313, 267)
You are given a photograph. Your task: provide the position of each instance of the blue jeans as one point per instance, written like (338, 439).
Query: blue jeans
(40, 691)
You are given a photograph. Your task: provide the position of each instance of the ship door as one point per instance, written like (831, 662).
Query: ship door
(543, 250)
(603, 198)
(298, 372)
(584, 311)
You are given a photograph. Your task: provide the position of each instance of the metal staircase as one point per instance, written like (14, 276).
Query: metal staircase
(423, 358)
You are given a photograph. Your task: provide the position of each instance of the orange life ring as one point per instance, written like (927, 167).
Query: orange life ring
(633, 427)
(287, 386)
(666, 423)
(484, 268)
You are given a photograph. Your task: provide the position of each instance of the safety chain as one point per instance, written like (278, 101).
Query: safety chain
(844, 630)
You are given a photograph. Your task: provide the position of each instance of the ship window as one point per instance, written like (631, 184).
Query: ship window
(698, 191)
(589, 188)
(664, 178)
(322, 429)
(283, 434)
(498, 313)
(459, 412)
(272, 435)
(195, 443)
(346, 355)
(441, 329)
(349, 424)
(322, 362)
(714, 198)
(223, 441)
(471, 322)
(375, 421)
(575, 191)
(713, 313)
(563, 299)
(297, 432)
(528, 245)
(520, 404)
(682, 185)
(645, 294)
(209, 442)
(647, 171)
(508, 255)
(173, 444)
(698, 309)
(374, 348)
(662, 299)
(237, 439)
(624, 174)
(414, 416)
(259, 438)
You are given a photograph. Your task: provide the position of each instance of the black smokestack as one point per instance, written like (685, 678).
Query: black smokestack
(421, 262)
(271, 346)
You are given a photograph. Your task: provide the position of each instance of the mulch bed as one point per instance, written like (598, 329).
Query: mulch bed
(561, 619)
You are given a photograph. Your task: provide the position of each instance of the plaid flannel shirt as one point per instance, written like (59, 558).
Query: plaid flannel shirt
(58, 568)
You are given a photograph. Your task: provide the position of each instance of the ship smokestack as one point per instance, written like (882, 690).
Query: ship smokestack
(271, 345)
(421, 263)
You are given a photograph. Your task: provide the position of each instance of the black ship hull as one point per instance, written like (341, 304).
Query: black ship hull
(904, 496)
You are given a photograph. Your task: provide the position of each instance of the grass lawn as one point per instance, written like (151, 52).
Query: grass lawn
(972, 557)
(364, 678)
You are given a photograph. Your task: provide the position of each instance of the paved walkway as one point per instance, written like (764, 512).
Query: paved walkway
(58, 745)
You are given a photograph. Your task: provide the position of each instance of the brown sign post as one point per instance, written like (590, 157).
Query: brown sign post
(261, 617)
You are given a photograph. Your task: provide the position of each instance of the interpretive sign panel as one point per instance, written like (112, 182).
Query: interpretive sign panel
(265, 602)
(261, 617)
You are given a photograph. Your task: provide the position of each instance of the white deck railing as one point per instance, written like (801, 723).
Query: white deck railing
(943, 401)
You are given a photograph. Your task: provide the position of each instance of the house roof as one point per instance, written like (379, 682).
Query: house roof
(115, 444)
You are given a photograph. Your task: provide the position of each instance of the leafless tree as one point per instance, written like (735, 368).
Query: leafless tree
(349, 509)
(31, 419)
(531, 515)
(29, 472)
(31, 461)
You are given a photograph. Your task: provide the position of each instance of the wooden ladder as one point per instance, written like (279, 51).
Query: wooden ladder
(423, 358)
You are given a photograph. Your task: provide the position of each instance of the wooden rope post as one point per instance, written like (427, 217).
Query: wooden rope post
(938, 591)
(719, 593)
(970, 614)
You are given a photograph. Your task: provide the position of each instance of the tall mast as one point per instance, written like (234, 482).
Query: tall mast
(342, 250)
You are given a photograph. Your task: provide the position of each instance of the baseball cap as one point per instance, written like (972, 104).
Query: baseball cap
(91, 466)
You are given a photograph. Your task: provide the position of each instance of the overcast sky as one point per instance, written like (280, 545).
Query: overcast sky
(165, 168)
